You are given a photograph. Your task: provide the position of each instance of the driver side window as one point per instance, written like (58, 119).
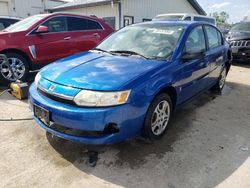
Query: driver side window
(56, 24)
(196, 41)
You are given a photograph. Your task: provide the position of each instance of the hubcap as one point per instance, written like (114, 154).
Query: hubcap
(223, 78)
(160, 117)
(13, 70)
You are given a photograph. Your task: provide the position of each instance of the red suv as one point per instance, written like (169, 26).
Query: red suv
(38, 40)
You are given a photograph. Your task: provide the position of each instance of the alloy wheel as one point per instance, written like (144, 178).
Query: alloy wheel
(160, 117)
(12, 70)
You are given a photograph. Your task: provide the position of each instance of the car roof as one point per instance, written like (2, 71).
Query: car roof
(183, 14)
(73, 14)
(177, 23)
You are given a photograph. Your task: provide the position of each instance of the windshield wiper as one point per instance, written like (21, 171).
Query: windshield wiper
(129, 53)
(101, 50)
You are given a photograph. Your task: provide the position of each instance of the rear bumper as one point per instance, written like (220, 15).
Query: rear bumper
(128, 120)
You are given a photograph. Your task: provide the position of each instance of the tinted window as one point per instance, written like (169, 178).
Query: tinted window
(214, 39)
(92, 25)
(77, 24)
(188, 18)
(110, 21)
(1, 25)
(243, 26)
(196, 41)
(57, 24)
(209, 20)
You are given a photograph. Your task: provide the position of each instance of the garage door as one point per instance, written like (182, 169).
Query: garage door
(4, 8)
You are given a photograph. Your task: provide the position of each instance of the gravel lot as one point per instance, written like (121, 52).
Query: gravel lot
(207, 145)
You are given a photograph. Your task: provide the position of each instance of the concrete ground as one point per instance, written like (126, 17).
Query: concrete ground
(207, 145)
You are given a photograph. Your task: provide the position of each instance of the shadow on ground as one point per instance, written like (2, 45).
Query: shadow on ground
(199, 148)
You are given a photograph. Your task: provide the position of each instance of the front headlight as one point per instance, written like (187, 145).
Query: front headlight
(37, 78)
(96, 98)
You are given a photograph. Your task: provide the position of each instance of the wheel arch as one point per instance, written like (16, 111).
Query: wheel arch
(20, 52)
(171, 91)
(229, 62)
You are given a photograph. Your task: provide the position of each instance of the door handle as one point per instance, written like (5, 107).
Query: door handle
(67, 38)
(96, 35)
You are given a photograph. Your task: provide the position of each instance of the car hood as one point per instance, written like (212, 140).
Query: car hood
(96, 71)
(238, 35)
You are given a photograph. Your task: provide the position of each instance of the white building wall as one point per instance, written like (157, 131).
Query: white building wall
(99, 11)
(150, 8)
(25, 8)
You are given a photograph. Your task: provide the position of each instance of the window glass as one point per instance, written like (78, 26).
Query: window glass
(56, 24)
(188, 18)
(146, 20)
(169, 17)
(77, 24)
(220, 38)
(92, 25)
(209, 20)
(150, 40)
(26, 23)
(242, 26)
(110, 21)
(196, 41)
(1, 26)
(213, 38)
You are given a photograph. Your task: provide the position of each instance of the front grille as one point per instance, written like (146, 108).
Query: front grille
(56, 98)
(77, 132)
(240, 43)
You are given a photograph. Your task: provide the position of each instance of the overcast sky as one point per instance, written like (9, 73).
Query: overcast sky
(237, 9)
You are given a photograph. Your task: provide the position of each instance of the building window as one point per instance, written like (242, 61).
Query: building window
(110, 21)
(146, 20)
(128, 20)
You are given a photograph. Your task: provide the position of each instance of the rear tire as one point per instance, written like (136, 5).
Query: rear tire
(18, 68)
(158, 117)
(218, 87)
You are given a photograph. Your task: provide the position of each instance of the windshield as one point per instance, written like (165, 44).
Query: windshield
(147, 40)
(25, 24)
(244, 26)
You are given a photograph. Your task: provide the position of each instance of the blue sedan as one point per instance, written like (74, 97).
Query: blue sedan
(132, 83)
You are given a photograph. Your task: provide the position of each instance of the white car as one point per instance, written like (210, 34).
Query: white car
(187, 17)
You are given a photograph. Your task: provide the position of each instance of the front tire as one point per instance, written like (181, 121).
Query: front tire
(158, 117)
(17, 68)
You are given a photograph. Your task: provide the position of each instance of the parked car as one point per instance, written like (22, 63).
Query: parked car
(239, 39)
(131, 84)
(186, 17)
(38, 40)
(6, 21)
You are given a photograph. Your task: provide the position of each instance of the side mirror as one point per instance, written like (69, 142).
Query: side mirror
(192, 56)
(42, 29)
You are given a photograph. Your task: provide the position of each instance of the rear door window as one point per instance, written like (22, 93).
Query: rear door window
(77, 24)
(196, 41)
(82, 24)
(93, 25)
(214, 37)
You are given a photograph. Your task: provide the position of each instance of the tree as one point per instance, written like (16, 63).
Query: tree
(222, 17)
(245, 18)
